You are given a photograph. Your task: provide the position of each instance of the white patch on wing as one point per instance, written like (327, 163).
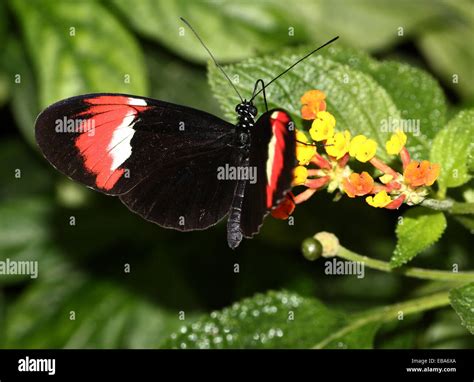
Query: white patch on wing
(275, 115)
(136, 102)
(271, 148)
(271, 155)
(119, 147)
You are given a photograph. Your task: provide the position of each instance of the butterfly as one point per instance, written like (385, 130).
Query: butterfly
(173, 165)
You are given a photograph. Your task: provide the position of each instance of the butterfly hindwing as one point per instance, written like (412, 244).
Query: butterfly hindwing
(112, 142)
(272, 153)
(186, 196)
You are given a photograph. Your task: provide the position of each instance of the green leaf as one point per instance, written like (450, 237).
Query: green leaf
(22, 173)
(4, 24)
(419, 229)
(231, 31)
(4, 88)
(358, 338)
(236, 31)
(5, 80)
(24, 103)
(453, 150)
(420, 100)
(444, 332)
(25, 209)
(79, 47)
(22, 222)
(448, 47)
(79, 312)
(24, 230)
(179, 82)
(372, 25)
(357, 101)
(272, 320)
(462, 300)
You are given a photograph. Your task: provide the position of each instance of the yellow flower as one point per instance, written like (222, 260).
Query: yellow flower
(304, 149)
(380, 200)
(362, 148)
(322, 127)
(301, 137)
(396, 142)
(304, 154)
(338, 145)
(386, 178)
(300, 173)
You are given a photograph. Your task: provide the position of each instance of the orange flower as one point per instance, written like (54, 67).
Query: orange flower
(396, 203)
(285, 208)
(423, 173)
(358, 184)
(313, 102)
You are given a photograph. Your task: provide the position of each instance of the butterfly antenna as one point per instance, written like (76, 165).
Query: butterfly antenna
(213, 59)
(292, 66)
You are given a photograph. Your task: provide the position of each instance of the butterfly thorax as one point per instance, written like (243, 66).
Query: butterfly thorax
(246, 120)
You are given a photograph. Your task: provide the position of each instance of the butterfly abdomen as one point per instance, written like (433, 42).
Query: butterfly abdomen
(234, 234)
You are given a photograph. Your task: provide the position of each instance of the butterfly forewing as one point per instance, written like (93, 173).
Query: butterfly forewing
(111, 142)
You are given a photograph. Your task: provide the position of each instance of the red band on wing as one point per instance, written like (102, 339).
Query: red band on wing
(105, 137)
(275, 162)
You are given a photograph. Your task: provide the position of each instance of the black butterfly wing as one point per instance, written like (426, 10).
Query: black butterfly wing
(160, 157)
(272, 152)
(110, 142)
(186, 195)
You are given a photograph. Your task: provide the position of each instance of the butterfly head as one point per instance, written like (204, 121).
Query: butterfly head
(246, 109)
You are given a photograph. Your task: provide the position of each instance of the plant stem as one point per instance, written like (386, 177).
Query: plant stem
(438, 205)
(388, 313)
(448, 205)
(421, 273)
(462, 208)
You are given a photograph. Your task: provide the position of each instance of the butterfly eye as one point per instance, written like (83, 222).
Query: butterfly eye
(253, 110)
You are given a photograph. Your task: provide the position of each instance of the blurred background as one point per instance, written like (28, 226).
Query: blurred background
(55, 49)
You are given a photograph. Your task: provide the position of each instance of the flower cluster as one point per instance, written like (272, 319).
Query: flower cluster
(329, 168)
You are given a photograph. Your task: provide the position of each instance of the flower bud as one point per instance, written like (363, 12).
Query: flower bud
(311, 248)
(330, 243)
